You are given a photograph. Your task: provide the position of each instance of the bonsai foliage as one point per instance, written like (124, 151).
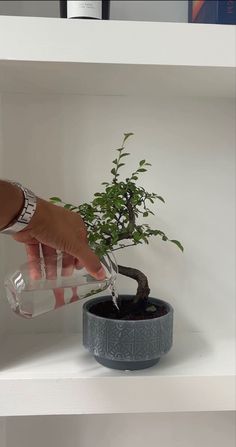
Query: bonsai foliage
(113, 216)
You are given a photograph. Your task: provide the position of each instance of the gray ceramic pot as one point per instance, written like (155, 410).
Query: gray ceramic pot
(127, 345)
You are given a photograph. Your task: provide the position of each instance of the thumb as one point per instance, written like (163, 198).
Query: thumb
(90, 261)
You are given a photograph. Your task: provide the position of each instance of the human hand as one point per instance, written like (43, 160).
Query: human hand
(59, 229)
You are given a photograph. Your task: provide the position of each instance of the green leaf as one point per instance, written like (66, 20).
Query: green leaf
(160, 198)
(115, 161)
(113, 171)
(97, 194)
(120, 164)
(136, 236)
(98, 201)
(178, 244)
(145, 214)
(142, 162)
(55, 199)
(141, 170)
(134, 177)
(124, 154)
(127, 135)
(105, 183)
(157, 232)
(118, 202)
(68, 206)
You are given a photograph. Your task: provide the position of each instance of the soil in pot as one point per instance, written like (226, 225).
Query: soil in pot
(128, 311)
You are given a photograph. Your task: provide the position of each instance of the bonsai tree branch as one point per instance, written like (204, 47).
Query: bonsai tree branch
(143, 287)
(113, 217)
(128, 234)
(130, 209)
(123, 246)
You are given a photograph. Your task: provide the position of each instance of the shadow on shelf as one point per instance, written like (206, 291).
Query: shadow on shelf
(52, 355)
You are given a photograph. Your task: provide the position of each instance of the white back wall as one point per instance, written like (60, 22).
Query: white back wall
(2, 260)
(171, 430)
(63, 145)
(161, 11)
(3, 438)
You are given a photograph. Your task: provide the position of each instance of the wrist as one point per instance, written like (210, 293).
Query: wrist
(21, 215)
(12, 203)
(41, 212)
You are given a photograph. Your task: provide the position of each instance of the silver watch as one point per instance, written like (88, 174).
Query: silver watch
(26, 214)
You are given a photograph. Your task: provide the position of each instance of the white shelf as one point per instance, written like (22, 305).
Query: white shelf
(53, 374)
(116, 58)
(116, 42)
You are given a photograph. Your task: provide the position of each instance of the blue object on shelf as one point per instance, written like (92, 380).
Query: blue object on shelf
(212, 11)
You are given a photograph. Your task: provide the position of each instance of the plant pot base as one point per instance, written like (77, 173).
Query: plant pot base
(127, 344)
(125, 365)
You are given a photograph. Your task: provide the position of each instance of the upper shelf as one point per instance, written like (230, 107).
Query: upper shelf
(115, 42)
(52, 374)
(113, 57)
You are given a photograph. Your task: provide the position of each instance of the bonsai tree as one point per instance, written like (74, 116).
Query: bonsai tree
(112, 217)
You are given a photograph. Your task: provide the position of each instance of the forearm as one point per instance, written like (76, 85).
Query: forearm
(11, 203)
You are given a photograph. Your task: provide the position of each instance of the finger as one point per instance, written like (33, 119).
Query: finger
(33, 251)
(78, 264)
(91, 262)
(33, 254)
(68, 264)
(59, 297)
(25, 238)
(75, 296)
(50, 258)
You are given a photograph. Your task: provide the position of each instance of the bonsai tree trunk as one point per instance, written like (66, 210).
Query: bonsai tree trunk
(143, 288)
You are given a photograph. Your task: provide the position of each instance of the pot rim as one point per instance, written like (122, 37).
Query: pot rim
(108, 298)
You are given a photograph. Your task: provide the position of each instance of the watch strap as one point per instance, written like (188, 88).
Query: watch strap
(22, 220)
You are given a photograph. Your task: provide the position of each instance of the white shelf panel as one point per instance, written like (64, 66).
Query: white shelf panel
(112, 57)
(53, 374)
(116, 42)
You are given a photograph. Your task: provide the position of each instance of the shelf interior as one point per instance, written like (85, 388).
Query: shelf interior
(58, 356)
(63, 56)
(190, 143)
(57, 366)
(116, 79)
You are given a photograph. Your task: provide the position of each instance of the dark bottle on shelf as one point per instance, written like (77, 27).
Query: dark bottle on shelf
(78, 9)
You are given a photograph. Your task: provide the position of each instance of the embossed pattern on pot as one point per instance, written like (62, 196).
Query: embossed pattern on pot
(130, 341)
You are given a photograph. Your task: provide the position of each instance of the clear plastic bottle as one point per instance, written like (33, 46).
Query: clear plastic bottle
(44, 285)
